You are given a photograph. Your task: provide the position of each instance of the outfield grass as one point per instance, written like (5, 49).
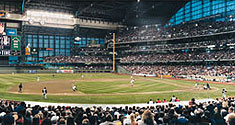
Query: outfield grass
(123, 86)
(106, 83)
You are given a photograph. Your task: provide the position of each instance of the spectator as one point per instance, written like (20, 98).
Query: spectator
(173, 99)
(147, 118)
(158, 101)
(150, 101)
(108, 120)
(231, 119)
(164, 101)
(8, 119)
(192, 102)
(133, 119)
(177, 100)
(36, 120)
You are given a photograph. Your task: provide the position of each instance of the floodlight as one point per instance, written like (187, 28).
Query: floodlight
(77, 38)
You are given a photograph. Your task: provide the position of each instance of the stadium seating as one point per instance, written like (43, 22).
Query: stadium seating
(182, 70)
(77, 59)
(149, 33)
(215, 112)
(214, 55)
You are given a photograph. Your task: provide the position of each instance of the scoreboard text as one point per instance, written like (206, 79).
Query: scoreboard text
(5, 45)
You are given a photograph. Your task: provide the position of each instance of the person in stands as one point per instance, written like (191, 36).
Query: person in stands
(150, 101)
(147, 118)
(164, 101)
(158, 101)
(192, 102)
(173, 98)
(177, 100)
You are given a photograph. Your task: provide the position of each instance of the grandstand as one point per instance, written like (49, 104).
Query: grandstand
(115, 62)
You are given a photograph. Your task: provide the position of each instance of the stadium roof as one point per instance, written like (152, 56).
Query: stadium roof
(129, 12)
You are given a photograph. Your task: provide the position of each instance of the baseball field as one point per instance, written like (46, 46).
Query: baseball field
(103, 88)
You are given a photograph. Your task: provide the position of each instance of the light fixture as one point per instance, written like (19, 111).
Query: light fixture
(77, 39)
(8, 15)
(42, 22)
(30, 21)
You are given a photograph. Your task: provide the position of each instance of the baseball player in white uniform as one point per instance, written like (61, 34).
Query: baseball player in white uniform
(44, 93)
(82, 76)
(196, 85)
(224, 91)
(74, 88)
(38, 79)
(132, 82)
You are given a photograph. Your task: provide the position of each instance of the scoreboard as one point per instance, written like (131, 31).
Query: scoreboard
(9, 45)
(9, 41)
(5, 45)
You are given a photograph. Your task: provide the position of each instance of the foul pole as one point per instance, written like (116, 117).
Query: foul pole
(113, 51)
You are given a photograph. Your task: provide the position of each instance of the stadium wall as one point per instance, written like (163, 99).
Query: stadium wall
(122, 70)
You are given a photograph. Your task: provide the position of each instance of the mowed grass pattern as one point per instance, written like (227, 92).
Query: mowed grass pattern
(116, 86)
(111, 84)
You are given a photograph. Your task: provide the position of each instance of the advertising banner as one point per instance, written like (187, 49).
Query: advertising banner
(11, 32)
(64, 71)
(33, 71)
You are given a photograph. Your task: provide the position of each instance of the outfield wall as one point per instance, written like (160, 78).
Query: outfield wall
(121, 70)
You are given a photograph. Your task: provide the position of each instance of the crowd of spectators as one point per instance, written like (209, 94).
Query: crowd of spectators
(199, 44)
(184, 30)
(202, 28)
(90, 51)
(77, 59)
(173, 99)
(141, 33)
(218, 112)
(183, 70)
(189, 56)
